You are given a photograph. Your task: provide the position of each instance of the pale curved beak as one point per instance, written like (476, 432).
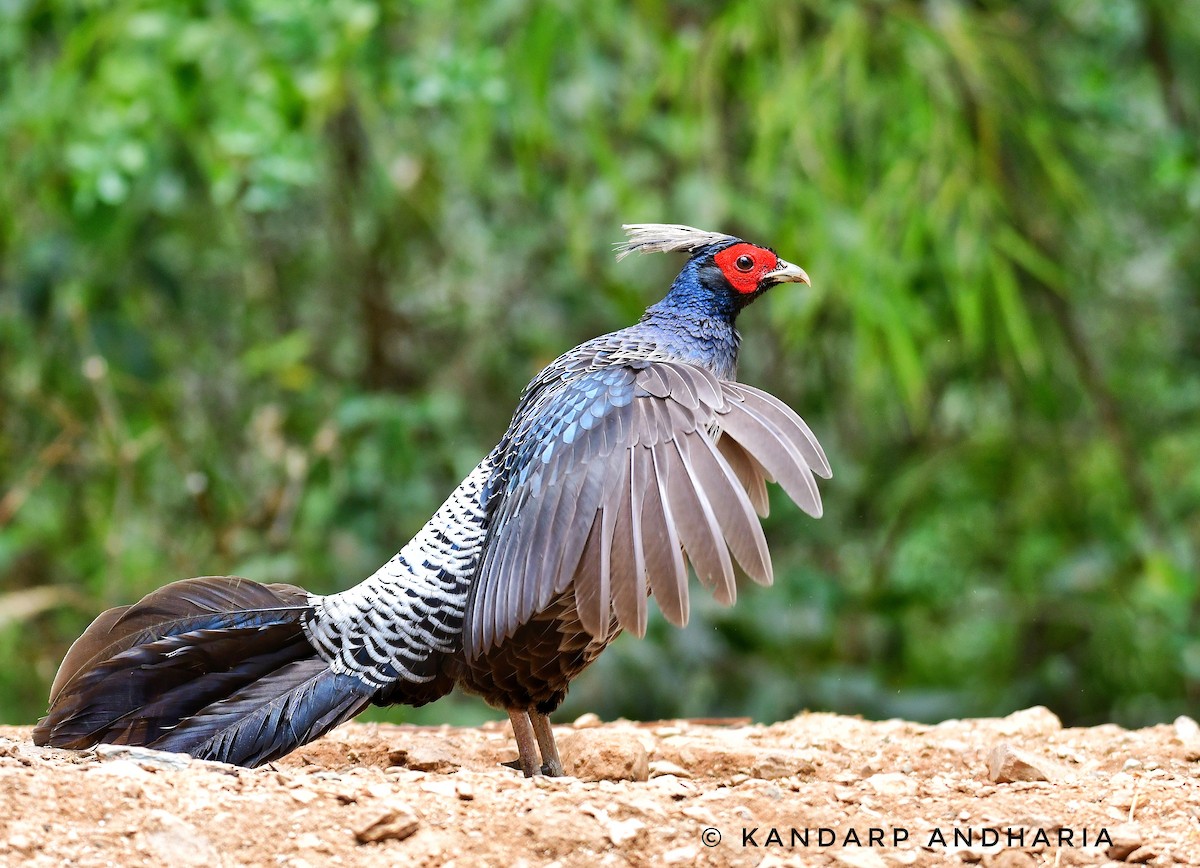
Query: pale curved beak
(785, 272)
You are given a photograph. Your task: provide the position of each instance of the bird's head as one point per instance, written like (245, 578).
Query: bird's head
(723, 273)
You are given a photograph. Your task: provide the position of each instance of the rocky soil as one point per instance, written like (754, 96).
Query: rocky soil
(817, 790)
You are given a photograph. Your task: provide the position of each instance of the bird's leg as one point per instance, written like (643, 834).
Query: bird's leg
(551, 764)
(526, 743)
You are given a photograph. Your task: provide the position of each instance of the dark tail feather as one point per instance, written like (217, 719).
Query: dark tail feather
(270, 717)
(174, 609)
(218, 667)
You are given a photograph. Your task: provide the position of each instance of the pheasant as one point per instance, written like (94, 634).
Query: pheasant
(628, 458)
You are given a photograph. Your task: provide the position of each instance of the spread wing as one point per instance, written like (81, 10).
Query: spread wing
(615, 476)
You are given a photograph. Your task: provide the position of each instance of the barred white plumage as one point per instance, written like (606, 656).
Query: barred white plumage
(412, 607)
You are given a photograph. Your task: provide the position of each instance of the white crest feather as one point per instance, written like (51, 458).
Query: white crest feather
(665, 238)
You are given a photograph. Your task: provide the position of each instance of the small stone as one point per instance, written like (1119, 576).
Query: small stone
(849, 795)
(604, 756)
(423, 759)
(145, 756)
(1145, 853)
(440, 787)
(311, 841)
(892, 784)
(380, 790)
(464, 790)
(393, 824)
(775, 766)
(1006, 765)
(303, 796)
(1038, 720)
(658, 768)
(1186, 729)
(681, 856)
(1122, 799)
(1126, 838)
(699, 814)
(676, 788)
(587, 721)
(620, 831)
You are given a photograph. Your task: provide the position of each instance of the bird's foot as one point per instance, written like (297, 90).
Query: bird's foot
(551, 763)
(547, 769)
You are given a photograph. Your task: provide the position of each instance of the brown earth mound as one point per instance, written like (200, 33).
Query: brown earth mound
(817, 790)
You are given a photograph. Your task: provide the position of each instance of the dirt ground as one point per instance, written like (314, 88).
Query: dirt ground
(816, 790)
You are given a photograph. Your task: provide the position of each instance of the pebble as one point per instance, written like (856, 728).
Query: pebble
(620, 831)
(658, 768)
(700, 815)
(1038, 720)
(776, 765)
(311, 841)
(440, 787)
(676, 788)
(1007, 764)
(146, 757)
(423, 759)
(1186, 729)
(604, 756)
(393, 824)
(542, 782)
(681, 856)
(892, 784)
(617, 831)
(380, 791)
(1145, 853)
(1126, 838)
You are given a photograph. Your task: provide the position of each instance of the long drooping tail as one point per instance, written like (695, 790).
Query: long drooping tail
(227, 669)
(218, 667)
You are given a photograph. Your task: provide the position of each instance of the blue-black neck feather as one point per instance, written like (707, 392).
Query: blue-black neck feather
(697, 314)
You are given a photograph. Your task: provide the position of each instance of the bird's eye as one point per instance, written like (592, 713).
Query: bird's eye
(743, 263)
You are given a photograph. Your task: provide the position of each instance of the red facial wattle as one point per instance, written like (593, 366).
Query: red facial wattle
(744, 265)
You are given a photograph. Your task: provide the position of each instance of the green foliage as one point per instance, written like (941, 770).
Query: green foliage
(273, 274)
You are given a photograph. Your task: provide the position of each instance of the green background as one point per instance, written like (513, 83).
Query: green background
(273, 273)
